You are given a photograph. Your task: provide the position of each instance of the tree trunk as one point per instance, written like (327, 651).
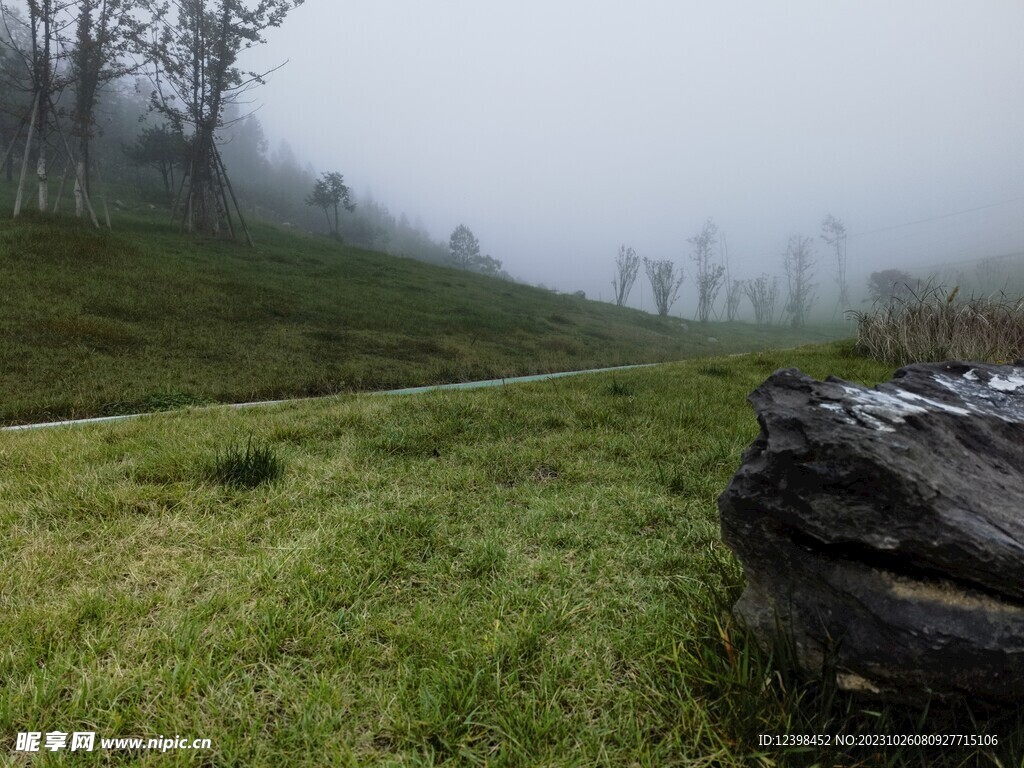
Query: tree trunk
(24, 159)
(79, 190)
(83, 187)
(44, 202)
(44, 190)
(203, 214)
(60, 188)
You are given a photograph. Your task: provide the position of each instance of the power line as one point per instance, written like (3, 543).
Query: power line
(935, 218)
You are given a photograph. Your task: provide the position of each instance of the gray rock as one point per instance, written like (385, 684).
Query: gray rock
(884, 528)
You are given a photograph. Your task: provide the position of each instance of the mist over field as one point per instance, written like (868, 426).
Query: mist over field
(560, 132)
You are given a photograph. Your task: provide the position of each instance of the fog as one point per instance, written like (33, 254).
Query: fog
(558, 131)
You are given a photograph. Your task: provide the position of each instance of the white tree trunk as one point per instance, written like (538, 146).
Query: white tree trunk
(44, 203)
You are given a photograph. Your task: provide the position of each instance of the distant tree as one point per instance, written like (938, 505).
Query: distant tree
(709, 275)
(162, 148)
(665, 282)
(763, 293)
(733, 296)
(833, 232)
(798, 262)
(245, 151)
(733, 288)
(330, 193)
(627, 264)
(888, 286)
(464, 247)
(487, 265)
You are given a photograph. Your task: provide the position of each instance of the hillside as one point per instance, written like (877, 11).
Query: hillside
(147, 318)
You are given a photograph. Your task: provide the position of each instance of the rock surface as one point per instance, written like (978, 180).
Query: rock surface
(884, 528)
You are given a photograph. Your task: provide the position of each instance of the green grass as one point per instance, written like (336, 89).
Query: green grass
(246, 467)
(528, 575)
(147, 319)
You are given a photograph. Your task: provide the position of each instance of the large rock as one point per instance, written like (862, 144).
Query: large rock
(884, 528)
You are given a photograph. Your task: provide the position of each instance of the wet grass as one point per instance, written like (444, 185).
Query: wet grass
(520, 576)
(147, 318)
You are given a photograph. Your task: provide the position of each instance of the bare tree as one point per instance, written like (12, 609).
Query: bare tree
(833, 232)
(733, 288)
(627, 264)
(798, 262)
(196, 77)
(709, 274)
(733, 296)
(665, 283)
(763, 293)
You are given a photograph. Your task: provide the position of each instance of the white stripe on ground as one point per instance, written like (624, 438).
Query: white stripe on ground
(262, 403)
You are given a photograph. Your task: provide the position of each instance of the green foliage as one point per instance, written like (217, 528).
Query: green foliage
(196, 50)
(464, 247)
(163, 149)
(464, 253)
(330, 193)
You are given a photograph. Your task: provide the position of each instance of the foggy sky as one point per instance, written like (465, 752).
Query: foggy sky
(559, 130)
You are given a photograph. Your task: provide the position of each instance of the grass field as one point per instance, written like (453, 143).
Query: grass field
(146, 319)
(529, 575)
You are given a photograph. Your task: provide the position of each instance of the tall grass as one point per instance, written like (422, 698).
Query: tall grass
(934, 326)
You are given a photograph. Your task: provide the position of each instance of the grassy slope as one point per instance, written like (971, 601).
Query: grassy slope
(147, 318)
(522, 576)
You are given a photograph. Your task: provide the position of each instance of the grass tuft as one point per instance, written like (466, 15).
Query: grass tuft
(620, 389)
(714, 371)
(246, 467)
